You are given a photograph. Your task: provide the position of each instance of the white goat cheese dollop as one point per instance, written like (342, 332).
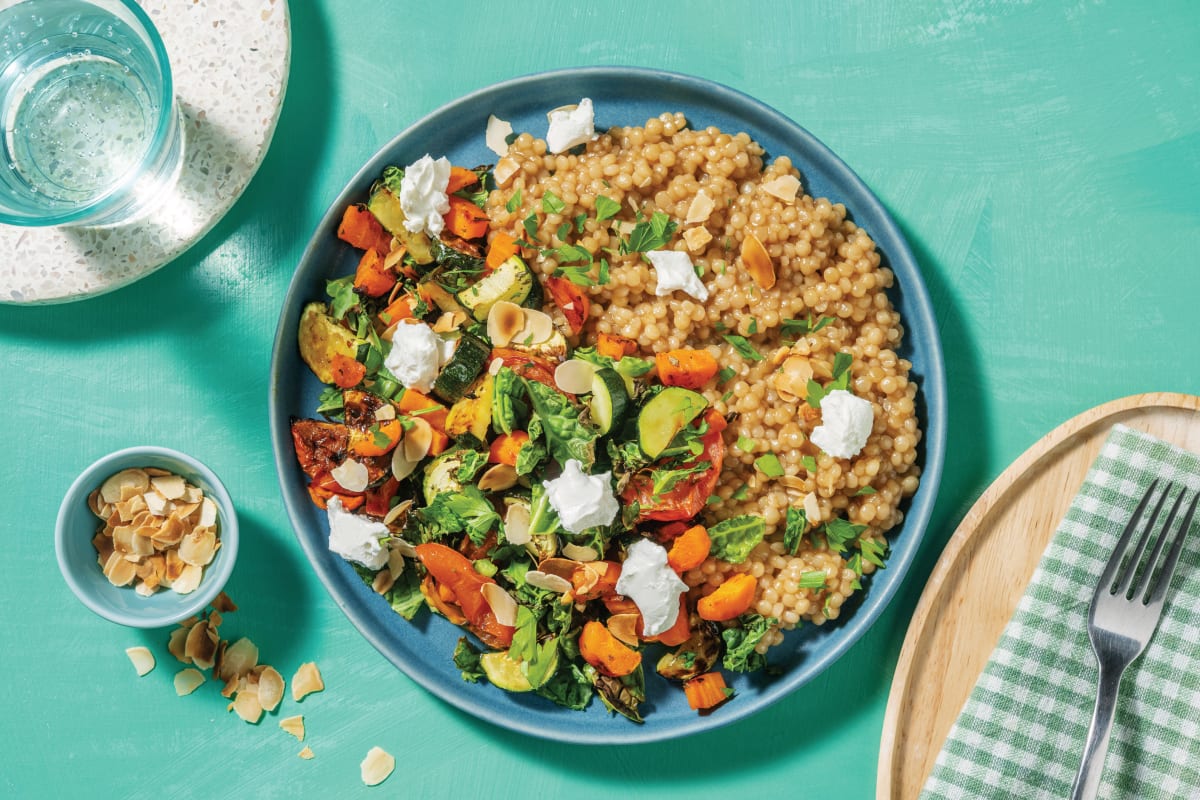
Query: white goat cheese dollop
(423, 194)
(570, 126)
(673, 270)
(846, 422)
(415, 356)
(582, 501)
(652, 585)
(356, 538)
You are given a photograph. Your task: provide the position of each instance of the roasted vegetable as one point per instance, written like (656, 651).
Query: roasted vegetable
(321, 338)
(472, 413)
(510, 281)
(384, 203)
(700, 653)
(459, 373)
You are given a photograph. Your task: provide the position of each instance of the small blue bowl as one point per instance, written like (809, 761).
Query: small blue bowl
(77, 557)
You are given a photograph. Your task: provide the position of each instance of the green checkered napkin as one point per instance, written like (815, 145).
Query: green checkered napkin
(1022, 730)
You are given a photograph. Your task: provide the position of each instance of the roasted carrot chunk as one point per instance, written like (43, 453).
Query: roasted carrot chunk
(501, 248)
(605, 652)
(360, 229)
(506, 447)
(690, 369)
(706, 691)
(689, 549)
(465, 219)
(729, 600)
(347, 372)
(615, 347)
(461, 178)
(372, 277)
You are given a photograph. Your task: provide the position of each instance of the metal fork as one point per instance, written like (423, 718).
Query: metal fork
(1124, 616)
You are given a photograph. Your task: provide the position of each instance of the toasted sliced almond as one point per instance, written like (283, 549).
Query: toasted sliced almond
(497, 478)
(812, 508)
(377, 766)
(624, 627)
(187, 681)
(383, 581)
(538, 328)
(198, 547)
(402, 465)
(385, 412)
(238, 659)
(395, 563)
(177, 644)
(224, 604)
(246, 705)
(757, 262)
(506, 167)
(503, 606)
(201, 645)
(188, 580)
(119, 571)
(697, 239)
(306, 753)
(306, 681)
(516, 524)
(170, 487)
(396, 514)
(701, 208)
(785, 187)
(417, 441)
(579, 552)
(351, 475)
(496, 135)
(142, 658)
(544, 580)
(574, 376)
(270, 688)
(124, 485)
(505, 320)
(294, 725)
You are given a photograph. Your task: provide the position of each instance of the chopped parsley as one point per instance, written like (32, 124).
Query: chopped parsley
(743, 347)
(606, 208)
(768, 464)
(551, 203)
(811, 580)
(796, 525)
(514, 202)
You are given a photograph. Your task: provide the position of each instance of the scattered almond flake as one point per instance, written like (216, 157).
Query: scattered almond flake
(812, 509)
(385, 412)
(377, 766)
(538, 328)
(496, 136)
(223, 604)
(574, 376)
(383, 581)
(393, 517)
(246, 704)
(504, 321)
(188, 680)
(757, 262)
(270, 688)
(503, 606)
(396, 556)
(701, 208)
(188, 580)
(351, 475)
(171, 487)
(579, 552)
(697, 239)
(238, 659)
(201, 645)
(306, 753)
(175, 645)
(506, 167)
(785, 187)
(551, 583)
(230, 687)
(497, 478)
(516, 524)
(156, 472)
(495, 366)
(142, 658)
(417, 440)
(624, 627)
(294, 725)
(114, 489)
(306, 681)
(402, 465)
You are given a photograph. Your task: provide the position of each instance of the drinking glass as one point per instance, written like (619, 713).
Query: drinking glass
(91, 129)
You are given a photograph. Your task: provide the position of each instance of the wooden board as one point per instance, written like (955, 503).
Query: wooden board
(981, 575)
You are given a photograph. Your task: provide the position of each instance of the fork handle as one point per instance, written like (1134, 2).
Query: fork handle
(1087, 781)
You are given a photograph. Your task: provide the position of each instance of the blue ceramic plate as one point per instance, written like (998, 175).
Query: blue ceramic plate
(622, 96)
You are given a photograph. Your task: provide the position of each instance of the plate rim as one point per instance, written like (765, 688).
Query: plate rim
(860, 200)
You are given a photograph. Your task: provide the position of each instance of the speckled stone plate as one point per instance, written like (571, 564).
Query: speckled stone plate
(230, 62)
(622, 96)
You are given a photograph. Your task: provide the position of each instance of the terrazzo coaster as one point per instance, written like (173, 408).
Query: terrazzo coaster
(230, 61)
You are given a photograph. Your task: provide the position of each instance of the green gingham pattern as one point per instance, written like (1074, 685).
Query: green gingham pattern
(1021, 732)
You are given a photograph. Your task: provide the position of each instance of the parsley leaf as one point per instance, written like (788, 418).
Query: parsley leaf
(797, 524)
(531, 226)
(606, 208)
(725, 374)
(664, 480)
(551, 203)
(811, 580)
(342, 296)
(745, 444)
(768, 464)
(743, 347)
(801, 327)
(514, 202)
(840, 532)
(651, 235)
(466, 658)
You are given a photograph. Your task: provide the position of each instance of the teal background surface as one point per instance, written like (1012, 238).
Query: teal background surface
(1042, 158)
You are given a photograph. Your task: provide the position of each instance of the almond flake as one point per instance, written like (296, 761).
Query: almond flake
(238, 659)
(171, 487)
(516, 524)
(115, 488)
(351, 475)
(294, 725)
(377, 766)
(187, 681)
(224, 604)
(785, 187)
(306, 681)
(700, 210)
(579, 552)
(417, 442)
(496, 135)
(624, 627)
(551, 583)
(497, 478)
(176, 645)
(306, 753)
(506, 167)
(697, 239)
(270, 688)
(574, 376)
(142, 658)
(246, 705)
(503, 606)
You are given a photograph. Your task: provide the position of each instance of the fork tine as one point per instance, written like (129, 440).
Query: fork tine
(1108, 579)
(1142, 588)
(1159, 591)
